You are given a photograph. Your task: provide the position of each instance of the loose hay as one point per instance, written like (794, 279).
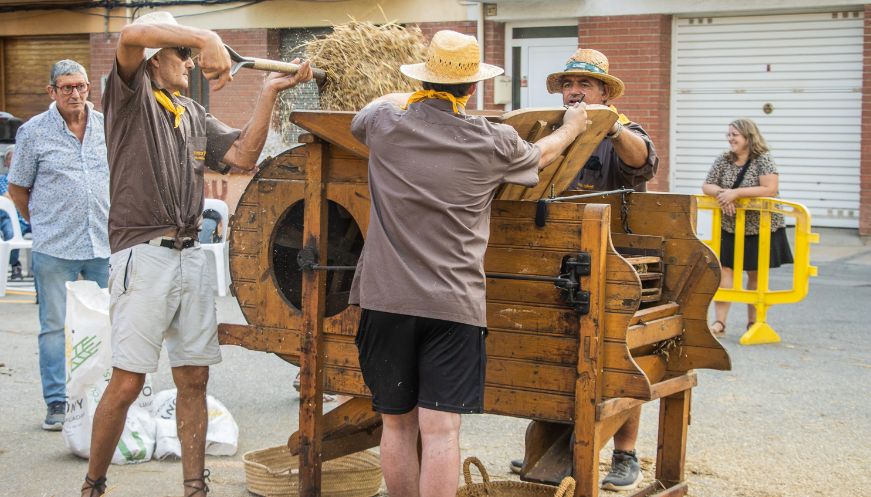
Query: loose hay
(362, 62)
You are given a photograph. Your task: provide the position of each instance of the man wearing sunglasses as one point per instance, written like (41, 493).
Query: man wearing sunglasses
(161, 287)
(59, 181)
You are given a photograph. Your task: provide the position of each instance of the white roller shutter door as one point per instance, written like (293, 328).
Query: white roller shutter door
(806, 69)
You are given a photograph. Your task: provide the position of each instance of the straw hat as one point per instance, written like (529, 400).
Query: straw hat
(452, 58)
(587, 62)
(159, 17)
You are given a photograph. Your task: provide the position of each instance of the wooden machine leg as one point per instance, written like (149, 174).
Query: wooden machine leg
(674, 417)
(311, 361)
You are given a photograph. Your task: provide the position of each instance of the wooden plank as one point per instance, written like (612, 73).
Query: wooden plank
(613, 406)
(653, 490)
(536, 347)
(289, 165)
(350, 426)
(514, 260)
(654, 331)
(618, 383)
(653, 313)
(530, 318)
(331, 126)
(348, 169)
(528, 404)
(634, 244)
(590, 382)
(529, 375)
(524, 292)
(524, 233)
(311, 340)
(674, 413)
(275, 340)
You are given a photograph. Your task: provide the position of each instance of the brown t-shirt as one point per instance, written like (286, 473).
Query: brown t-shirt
(156, 170)
(432, 177)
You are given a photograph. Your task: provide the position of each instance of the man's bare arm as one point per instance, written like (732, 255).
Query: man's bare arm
(21, 198)
(630, 148)
(214, 60)
(246, 149)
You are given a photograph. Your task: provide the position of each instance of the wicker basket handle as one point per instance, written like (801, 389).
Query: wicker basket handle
(566, 488)
(467, 474)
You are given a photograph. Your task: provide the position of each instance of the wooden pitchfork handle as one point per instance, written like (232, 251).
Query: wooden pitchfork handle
(269, 65)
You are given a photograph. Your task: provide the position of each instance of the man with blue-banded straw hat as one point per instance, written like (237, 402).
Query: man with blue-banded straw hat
(627, 158)
(161, 285)
(433, 173)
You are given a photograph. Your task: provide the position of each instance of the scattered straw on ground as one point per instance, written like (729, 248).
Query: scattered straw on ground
(362, 62)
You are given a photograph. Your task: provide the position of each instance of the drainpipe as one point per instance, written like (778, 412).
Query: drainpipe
(480, 92)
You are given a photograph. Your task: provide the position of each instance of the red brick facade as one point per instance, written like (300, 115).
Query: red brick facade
(865, 161)
(638, 48)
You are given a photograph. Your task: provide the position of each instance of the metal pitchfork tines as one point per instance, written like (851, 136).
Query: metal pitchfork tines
(268, 65)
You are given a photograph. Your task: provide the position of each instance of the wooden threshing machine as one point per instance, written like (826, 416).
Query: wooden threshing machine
(594, 305)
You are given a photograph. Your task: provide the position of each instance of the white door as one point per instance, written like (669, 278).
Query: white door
(799, 76)
(533, 53)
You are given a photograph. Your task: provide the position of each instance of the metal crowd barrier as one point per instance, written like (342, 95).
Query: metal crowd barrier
(763, 297)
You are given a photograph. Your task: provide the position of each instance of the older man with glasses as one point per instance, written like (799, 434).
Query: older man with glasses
(59, 181)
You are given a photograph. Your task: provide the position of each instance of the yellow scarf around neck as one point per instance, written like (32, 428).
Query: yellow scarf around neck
(167, 103)
(621, 118)
(421, 95)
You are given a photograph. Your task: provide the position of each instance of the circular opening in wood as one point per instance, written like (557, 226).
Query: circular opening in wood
(344, 244)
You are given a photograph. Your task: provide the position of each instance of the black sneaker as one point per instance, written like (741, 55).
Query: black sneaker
(54, 417)
(625, 472)
(16, 273)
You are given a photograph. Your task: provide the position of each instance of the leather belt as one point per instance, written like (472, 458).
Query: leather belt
(169, 243)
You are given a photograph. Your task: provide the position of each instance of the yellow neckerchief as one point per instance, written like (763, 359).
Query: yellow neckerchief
(442, 95)
(621, 118)
(167, 103)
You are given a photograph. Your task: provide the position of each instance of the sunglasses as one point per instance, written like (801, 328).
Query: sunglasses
(184, 52)
(68, 89)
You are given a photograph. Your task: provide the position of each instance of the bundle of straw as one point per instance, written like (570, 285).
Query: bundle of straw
(362, 62)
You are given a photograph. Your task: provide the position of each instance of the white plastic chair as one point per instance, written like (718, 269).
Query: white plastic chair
(221, 250)
(16, 242)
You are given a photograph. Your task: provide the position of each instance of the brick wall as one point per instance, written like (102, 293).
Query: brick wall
(865, 160)
(102, 58)
(638, 48)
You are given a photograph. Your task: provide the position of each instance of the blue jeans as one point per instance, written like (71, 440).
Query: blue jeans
(51, 275)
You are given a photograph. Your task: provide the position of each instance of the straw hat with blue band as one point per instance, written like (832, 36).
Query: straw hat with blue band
(590, 63)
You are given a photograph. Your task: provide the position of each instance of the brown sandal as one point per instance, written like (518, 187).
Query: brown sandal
(97, 487)
(751, 323)
(196, 490)
(719, 332)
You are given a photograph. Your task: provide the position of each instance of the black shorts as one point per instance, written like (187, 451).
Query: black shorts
(409, 361)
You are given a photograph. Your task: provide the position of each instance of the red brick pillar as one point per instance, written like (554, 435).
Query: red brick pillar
(638, 48)
(865, 158)
(102, 58)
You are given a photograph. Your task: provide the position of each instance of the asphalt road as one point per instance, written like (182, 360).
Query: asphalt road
(790, 419)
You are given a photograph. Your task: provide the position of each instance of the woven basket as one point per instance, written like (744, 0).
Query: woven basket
(510, 488)
(274, 472)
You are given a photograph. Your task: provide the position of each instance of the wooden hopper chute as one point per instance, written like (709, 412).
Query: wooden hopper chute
(587, 320)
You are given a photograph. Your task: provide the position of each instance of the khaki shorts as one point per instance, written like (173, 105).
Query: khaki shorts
(156, 294)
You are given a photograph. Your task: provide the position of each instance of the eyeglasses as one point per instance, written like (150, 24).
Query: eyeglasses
(68, 89)
(733, 135)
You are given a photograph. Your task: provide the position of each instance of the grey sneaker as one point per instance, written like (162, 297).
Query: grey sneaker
(16, 273)
(516, 465)
(625, 472)
(54, 417)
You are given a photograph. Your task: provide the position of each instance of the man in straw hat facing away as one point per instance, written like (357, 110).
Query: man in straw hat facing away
(625, 159)
(160, 285)
(433, 172)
